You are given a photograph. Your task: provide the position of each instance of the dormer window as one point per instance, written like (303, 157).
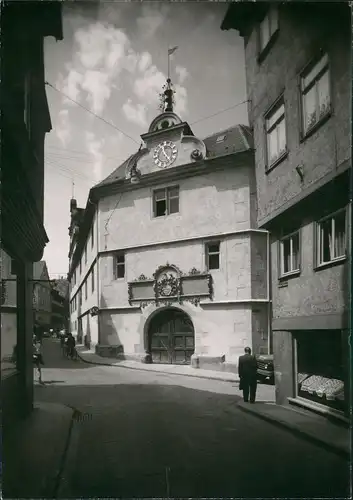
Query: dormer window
(220, 138)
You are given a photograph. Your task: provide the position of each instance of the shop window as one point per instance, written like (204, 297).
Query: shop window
(212, 255)
(276, 142)
(290, 255)
(331, 238)
(119, 266)
(166, 201)
(268, 27)
(315, 93)
(320, 376)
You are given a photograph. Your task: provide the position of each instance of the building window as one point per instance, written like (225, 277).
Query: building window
(86, 289)
(331, 238)
(80, 298)
(320, 373)
(119, 265)
(276, 133)
(80, 266)
(290, 254)
(315, 90)
(268, 27)
(93, 279)
(212, 255)
(166, 201)
(86, 254)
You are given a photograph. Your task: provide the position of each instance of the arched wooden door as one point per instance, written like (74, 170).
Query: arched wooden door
(171, 337)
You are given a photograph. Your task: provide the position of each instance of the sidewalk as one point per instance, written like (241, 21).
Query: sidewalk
(34, 451)
(307, 425)
(91, 357)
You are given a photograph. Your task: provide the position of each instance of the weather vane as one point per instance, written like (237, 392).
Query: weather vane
(167, 96)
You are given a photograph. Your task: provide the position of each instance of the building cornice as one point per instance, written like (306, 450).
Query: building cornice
(235, 301)
(183, 240)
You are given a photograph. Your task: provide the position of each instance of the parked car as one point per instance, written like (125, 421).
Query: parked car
(265, 367)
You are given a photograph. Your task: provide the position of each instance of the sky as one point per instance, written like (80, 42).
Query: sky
(113, 61)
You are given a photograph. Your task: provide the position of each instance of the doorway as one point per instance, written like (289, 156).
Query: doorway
(171, 337)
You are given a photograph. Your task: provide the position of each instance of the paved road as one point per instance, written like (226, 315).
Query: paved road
(157, 435)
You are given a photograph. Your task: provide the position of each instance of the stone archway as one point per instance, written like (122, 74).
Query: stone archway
(171, 337)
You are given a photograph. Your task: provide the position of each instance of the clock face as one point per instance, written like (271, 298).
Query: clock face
(165, 154)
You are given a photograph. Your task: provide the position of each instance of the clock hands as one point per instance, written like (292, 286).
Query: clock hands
(165, 154)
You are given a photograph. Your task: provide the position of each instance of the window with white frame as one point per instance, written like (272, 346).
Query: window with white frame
(166, 201)
(290, 254)
(331, 238)
(119, 267)
(212, 255)
(268, 27)
(315, 93)
(276, 141)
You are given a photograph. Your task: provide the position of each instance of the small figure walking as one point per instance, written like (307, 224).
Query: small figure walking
(38, 357)
(71, 344)
(247, 369)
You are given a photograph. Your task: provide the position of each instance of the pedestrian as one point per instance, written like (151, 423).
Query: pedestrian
(71, 343)
(37, 357)
(247, 369)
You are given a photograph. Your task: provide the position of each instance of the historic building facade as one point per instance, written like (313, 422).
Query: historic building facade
(25, 120)
(42, 304)
(298, 81)
(167, 264)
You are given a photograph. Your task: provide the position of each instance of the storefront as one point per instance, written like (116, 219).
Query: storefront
(320, 372)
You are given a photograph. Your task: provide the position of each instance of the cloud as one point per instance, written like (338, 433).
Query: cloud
(94, 146)
(152, 18)
(135, 113)
(182, 74)
(145, 61)
(98, 88)
(63, 129)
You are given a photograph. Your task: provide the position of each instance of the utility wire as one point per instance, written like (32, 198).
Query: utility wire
(84, 153)
(219, 112)
(91, 112)
(68, 170)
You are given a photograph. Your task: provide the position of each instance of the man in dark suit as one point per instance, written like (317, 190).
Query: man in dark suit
(247, 369)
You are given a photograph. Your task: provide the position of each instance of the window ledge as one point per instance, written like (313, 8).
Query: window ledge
(263, 52)
(332, 263)
(277, 162)
(317, 125)
(288, 276)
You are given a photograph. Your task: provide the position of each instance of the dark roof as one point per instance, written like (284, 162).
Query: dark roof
(117, 175)
(232, 140)
(238, 138)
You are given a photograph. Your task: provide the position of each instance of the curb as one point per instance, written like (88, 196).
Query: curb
(59, 477)
(297, 432)
(195, 375)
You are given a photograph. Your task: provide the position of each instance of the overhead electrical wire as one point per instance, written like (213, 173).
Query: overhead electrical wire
(92, 113)
(219, 112)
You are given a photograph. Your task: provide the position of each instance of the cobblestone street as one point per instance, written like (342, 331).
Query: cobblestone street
(145, 434)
